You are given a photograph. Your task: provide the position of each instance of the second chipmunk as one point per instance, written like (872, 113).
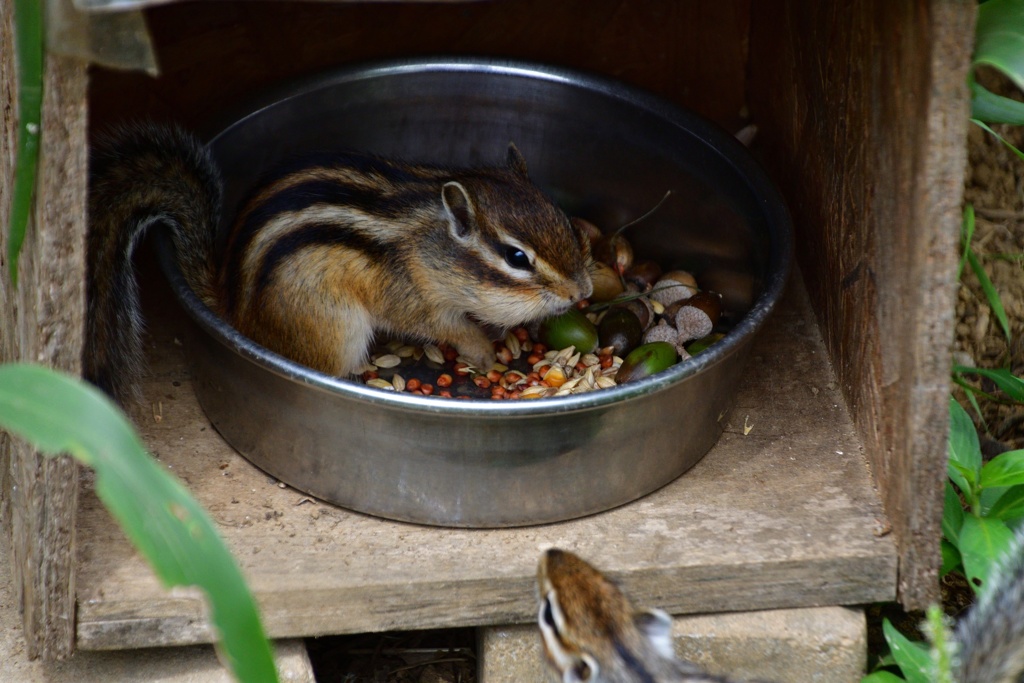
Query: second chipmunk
(326, 253)
(591, 633)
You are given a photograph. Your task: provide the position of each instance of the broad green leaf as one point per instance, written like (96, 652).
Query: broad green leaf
(952, 515)
(1008, 506)
(58, 414)
(964, 466)
(882, 677)
(1011, 385)
(999, 38)
(1006, 469)
(983, 541)
(912, 658)
(950, 558)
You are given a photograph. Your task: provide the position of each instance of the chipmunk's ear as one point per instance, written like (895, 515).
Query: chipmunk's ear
(516, 162)
(459, 208)
(656, 625)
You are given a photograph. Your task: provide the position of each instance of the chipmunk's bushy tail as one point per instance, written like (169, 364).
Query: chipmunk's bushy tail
(990, 638)
(139, 176)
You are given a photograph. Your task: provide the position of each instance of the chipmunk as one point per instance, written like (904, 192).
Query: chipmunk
(327, 252)
(591, 632)
(988, 643)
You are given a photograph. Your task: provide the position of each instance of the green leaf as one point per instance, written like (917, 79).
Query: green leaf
(882, 677)
(952, 515)
(1008, 506)
(28, 44)
(964, 466)
(58, 414)
(983, 541)
(1006, 469)
(1011, 385)
(999, 38)
(992, 108)
(913, 658)
(950, 558)
(990, 294)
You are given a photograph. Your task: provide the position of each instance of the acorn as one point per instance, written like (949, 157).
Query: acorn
(620, 329)
(698, 316)
(643, 273)
(607, 284)
(646, 360)
(571, 328)
(673, 286)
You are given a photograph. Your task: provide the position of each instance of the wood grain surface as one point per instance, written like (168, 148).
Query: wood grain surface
(863, 114)
(43, 323)
(782, 516)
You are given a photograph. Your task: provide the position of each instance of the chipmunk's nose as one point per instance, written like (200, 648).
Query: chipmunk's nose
(584, 288)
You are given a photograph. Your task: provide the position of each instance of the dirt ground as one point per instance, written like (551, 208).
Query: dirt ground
(995, 187)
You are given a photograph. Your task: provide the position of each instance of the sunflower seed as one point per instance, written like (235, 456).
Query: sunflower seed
(389, 360)
(434, 354)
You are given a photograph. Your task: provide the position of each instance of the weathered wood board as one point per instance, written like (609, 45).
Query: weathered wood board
(781, 516)
(863, 111)
(42, 321)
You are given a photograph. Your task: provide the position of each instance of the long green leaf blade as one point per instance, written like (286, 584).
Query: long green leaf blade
(28, 45)
(990, 293)
(992, 108)
(1011, 385)
(58, 414)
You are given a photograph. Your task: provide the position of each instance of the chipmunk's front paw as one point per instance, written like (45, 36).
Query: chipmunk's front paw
(478, 352)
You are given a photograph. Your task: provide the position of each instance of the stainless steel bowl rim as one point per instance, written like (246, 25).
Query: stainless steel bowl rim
(718, 140)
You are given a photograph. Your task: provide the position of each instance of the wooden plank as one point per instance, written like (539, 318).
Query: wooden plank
(43, 323)
(863, 112)
(782, 516)
(214, 54)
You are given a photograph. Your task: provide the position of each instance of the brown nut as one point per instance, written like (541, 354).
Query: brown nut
(607, 284)
(644, 273)
(698, 316)
(641, 308)
(674, 286)
(709, 302)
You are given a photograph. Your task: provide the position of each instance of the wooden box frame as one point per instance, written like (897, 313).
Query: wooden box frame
(862, 115)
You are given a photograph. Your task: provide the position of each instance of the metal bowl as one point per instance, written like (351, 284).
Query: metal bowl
(606, 152)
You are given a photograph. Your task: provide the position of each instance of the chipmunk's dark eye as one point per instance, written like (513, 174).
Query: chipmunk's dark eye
(581, 670)
(549, 618)
(517, 258)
